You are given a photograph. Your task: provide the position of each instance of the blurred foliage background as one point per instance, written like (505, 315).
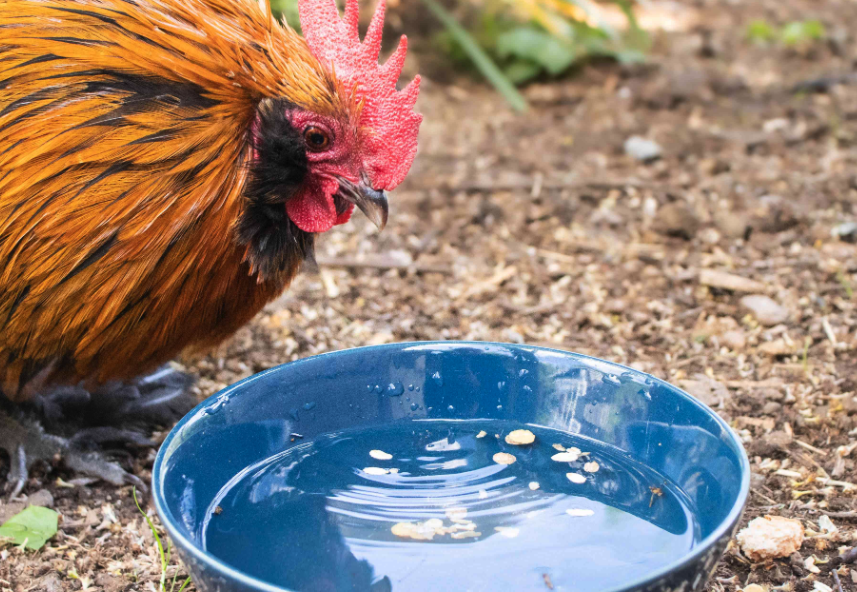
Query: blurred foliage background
(512, 42)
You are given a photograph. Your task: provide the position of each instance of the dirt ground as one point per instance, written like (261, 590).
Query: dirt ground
(538, 228)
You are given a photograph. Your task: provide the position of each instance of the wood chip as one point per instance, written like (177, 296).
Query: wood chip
(729, 281)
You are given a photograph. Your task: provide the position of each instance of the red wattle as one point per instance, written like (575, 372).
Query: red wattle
(312, 210)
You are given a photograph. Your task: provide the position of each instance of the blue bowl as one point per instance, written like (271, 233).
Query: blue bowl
(636, 415)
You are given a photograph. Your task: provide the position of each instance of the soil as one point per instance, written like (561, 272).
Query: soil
(538, 228)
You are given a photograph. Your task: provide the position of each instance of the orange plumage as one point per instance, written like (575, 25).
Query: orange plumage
(125, 145)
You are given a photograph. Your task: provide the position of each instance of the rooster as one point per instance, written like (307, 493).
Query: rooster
(165, 167)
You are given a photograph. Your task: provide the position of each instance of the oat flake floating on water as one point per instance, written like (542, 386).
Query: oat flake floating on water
(482, 434)
(534, 485)
(375, 471)
(579, 512)
(380, 455)
(520, 437)
(559, 447)
(591, 467)
(456, 514)
(565, 457)
(504, 458)
(483, 494)
(467, 534)
(576, 478)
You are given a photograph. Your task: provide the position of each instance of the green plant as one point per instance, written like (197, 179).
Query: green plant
(791, 34)
(164, 555)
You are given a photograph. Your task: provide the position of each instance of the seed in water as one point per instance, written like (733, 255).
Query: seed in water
(579, 512)
(520, 437)
(482, 434)
(559, 447)
(504, 458)
(565, 457)
(591, 467)
(576, 478)
(380, 455)
(375, 471)
(534, 485)
(466, 534)
(508, 531)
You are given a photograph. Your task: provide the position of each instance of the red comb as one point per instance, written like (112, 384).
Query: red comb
(388, 124)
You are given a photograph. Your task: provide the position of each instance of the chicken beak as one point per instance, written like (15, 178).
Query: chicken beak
(372, 202)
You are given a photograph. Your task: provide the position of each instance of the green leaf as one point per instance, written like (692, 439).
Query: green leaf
(798, 32)
(32, 527)
(288, 10)
(521, 71)
(759, 31)
(478, 56)
(537, 46)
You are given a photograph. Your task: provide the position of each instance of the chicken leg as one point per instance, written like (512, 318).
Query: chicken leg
(74, 424)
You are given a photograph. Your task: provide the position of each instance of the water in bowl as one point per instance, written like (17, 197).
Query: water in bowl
(426, 506)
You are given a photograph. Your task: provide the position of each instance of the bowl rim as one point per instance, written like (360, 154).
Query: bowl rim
(704, 546)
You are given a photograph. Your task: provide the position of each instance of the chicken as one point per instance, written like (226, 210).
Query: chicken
(165, 167)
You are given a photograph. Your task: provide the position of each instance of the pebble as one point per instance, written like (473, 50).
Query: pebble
(765, 309)
(676, 219)
(729, 281)
(504, 458)
(520, 437)
(734, 340)
(642, 149)
(846, 231)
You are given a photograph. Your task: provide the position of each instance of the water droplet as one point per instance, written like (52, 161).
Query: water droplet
(612, 378)
(369, 387)
(527, 388)
(394, 389)
(501, 385)
(523, 372)
(378, 388)
(438, 379)
(414, 406)
(499, 408)
(309, 406)
(418, 389)
(410, 387)
(451, 408)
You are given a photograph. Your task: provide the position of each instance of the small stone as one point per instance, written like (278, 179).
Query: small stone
(375, 471)
(591, 467)
(42, 498)
(765, 310)
(576, 478)
(380, 455)
(566, 456)
(676, 219)
(734, 340)
(504, 458)
(771, 408)
(579, 512)
(520, 437)
(770, 537)
(534, 485)
(642, 149)
(846, 231)
(753, 588)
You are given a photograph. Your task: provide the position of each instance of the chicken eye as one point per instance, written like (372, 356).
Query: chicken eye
(316, 138)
